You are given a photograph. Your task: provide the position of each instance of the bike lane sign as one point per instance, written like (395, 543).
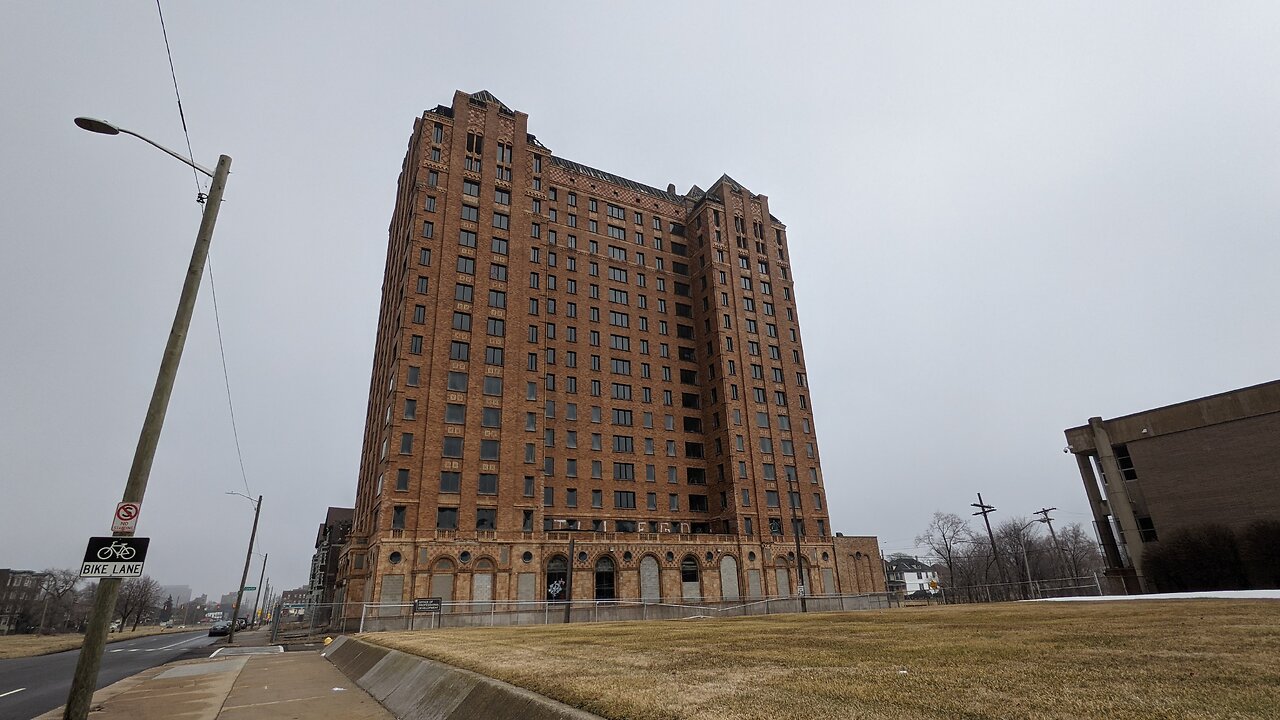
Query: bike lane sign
(114, 557)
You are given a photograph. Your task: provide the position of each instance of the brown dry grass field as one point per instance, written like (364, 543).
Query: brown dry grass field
(1148, 659)
(16, 646)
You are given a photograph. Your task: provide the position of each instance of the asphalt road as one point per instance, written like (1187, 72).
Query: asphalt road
(34, 685)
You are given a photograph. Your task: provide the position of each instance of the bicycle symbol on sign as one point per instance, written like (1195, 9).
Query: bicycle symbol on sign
(118, 550)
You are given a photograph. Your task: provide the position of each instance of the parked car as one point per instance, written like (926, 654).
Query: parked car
(222, 627)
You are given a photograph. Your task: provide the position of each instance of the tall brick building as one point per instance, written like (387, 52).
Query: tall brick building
(564, 353)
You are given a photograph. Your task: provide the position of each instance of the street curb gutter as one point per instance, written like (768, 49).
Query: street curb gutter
(414, 688)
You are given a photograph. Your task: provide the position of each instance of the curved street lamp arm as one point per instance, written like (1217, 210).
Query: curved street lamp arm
(157, 145)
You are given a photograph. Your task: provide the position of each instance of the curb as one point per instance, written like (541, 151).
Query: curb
(102, 695)
(415, 688)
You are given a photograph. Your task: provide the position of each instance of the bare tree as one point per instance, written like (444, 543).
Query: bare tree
(138, 597)
(1079, 550)
(59, 593)
(1018, 539)
(946, 537)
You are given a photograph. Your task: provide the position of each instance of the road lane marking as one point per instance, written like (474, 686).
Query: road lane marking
(12, 692)
(184, 642)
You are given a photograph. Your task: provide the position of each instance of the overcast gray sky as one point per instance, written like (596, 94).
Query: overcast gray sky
(1004, 218)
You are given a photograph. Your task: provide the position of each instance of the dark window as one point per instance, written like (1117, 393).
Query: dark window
(486, 519)
(689, 569)
(447, 518)
(557, 576)
(604, 576)
(450, 482)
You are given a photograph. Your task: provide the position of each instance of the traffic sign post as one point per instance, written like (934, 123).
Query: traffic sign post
(114, 557)
(125, 519)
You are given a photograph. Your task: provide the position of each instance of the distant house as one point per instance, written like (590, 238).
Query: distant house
(908, 575)
(19, 590)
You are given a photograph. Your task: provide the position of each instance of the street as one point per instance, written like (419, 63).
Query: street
(33, 685)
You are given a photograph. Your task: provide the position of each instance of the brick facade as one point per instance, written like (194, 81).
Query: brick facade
(563, 353)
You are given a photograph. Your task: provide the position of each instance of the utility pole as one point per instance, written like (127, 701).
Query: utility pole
(1062, 556)
(984, 510)
(568, 584)
(797, 525)
(253, 619)
(266, 605)
(80, 696)
(244, 577)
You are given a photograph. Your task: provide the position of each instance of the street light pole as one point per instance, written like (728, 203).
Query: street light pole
(85, 679)
(253, 618)
(244, 576)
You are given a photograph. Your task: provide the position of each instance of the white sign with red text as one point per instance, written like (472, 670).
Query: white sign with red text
(126, 518)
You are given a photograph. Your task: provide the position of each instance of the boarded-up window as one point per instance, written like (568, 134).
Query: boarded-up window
(526, 586)
(442, 580)
(650, 586)
(753, 584)
(729, 578)
(392, 593)
(828, 581)
(783, 579)
(482, 581)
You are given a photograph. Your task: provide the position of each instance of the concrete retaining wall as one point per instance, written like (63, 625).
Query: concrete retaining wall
(618, 612)
(414, 688)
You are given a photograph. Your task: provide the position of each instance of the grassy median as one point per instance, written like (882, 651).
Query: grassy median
(16, 646)
(1171, 659)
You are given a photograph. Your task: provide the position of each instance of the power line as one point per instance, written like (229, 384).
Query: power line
(181, 115)
(213, 289)
(226, 379)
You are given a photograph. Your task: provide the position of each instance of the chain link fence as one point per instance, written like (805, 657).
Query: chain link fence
(302, 622)
(1083, 586)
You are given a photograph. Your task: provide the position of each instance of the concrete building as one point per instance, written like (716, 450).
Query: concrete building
(566, 355)
(19, 591)
(330, 538)
(1212, 460)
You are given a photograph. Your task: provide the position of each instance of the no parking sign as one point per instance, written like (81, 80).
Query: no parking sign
(126, 518)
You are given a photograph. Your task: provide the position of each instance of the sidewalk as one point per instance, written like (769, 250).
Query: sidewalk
(238, 683)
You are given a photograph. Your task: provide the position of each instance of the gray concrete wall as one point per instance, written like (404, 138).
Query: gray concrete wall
(414, 688)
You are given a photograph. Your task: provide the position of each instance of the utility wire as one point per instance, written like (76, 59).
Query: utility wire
(213, 289)
(181, 115)
(226, 379)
